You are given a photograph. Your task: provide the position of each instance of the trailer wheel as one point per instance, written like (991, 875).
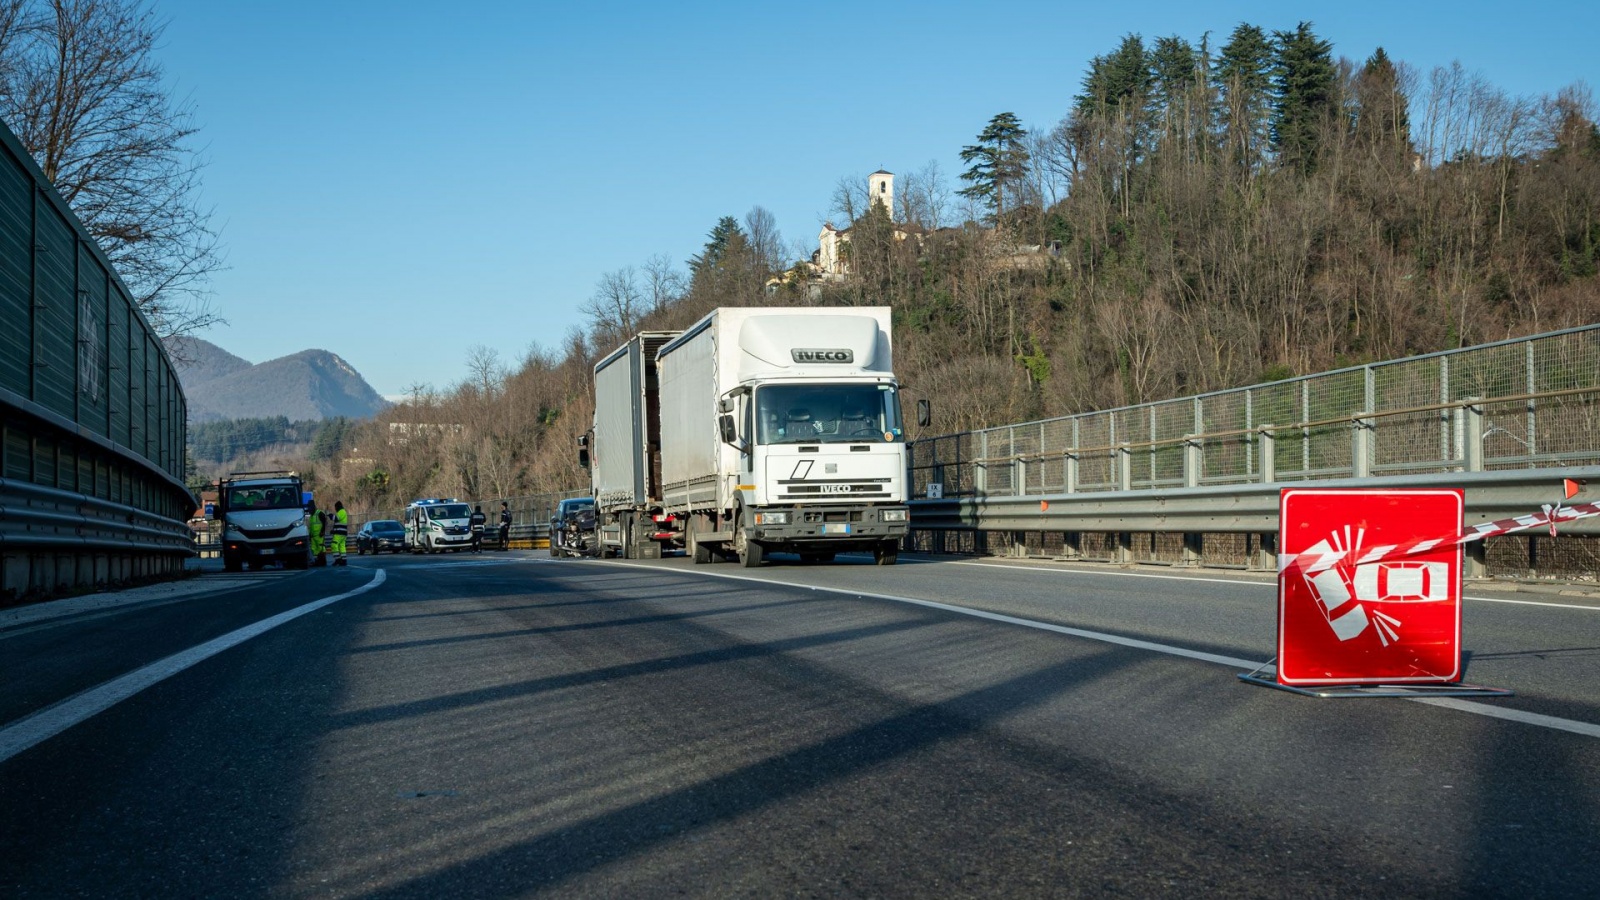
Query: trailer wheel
(700, 551)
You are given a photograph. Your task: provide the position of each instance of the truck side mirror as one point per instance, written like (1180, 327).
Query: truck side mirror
(730, 434)
(924, 413)
(583, 451)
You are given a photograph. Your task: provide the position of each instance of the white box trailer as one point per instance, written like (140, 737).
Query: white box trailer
(781, 431)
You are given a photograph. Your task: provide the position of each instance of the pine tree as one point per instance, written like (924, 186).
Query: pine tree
(727, 229)
(1243, 80)
(999, 161)
(1303, 83)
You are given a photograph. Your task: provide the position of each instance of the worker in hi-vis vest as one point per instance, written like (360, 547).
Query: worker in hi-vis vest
(314, 518)
(341, 527)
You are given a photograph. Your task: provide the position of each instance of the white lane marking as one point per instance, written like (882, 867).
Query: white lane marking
(40, 726)
(1267, 584)
(1479, 709)
(1515, 715)
(1042, 571)
(1535, 603)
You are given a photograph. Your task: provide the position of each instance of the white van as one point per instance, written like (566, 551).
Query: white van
(438, 524)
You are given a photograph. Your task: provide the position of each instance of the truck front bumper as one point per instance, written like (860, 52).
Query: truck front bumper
(288, 548)
(827, 527)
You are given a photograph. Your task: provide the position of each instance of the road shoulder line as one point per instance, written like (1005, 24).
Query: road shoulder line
(46, 723)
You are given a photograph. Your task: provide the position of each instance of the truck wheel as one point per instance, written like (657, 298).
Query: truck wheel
(700, 552)
(751, 553)
(886, 553)
(626, 536)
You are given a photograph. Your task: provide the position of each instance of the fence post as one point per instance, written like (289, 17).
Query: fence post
(1269, 455)
(1193, 460)
(1124, 467)
(980, 466)
(1361, 447)
(1472, 434)
(1071, 486)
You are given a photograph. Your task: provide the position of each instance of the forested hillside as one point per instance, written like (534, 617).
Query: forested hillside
(1201, 217)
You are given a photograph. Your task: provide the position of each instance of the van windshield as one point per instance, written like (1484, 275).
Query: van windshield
(272, 496)
(448, 511)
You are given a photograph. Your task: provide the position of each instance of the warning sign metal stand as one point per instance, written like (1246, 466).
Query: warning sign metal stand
(1263, 678)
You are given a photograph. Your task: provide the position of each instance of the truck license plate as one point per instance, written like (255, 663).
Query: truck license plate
(268, 552)
(836, 529)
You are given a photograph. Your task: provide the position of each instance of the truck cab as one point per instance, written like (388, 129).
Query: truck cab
(263, 520)
(821, 467)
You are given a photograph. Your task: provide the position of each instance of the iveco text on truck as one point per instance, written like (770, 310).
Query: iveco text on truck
(755, 430)
(263, 520)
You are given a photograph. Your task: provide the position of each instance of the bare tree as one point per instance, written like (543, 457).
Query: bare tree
(766, 242)
(924, 197)
(664, 283)
(615, 307)
(80, 87)
(849, 200)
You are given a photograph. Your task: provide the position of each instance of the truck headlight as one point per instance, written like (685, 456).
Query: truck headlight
(233, 529)
(892, 515)
(773, 518)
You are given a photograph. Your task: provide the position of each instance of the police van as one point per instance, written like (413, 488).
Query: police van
(438, 524)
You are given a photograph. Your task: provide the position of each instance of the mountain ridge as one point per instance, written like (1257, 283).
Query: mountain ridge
(309, 384)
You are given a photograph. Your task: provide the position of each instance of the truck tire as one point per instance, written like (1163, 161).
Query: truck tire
(751, 553)
(629, 548)
(886, 553)
(700, 552)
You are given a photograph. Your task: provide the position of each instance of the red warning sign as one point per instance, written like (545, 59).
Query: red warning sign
(1369, 586)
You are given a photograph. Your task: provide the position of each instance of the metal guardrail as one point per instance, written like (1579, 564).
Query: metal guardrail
(1504, 421)
(32, 516)
(1247, 509)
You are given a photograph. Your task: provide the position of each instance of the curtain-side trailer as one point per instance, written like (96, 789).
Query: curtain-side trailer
(625, 458)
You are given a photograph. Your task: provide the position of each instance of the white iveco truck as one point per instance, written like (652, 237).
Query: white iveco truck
(263, 520)
(754, 431)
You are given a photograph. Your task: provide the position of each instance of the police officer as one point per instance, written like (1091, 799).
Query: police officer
(505, 526)
(341, 527)
(477, 522)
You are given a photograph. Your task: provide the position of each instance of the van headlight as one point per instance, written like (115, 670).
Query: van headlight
(892, 515)
(773, 518)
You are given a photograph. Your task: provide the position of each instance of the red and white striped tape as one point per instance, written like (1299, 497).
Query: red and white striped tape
(1550, 515)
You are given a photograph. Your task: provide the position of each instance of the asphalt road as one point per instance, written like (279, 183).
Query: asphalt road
(507, 724)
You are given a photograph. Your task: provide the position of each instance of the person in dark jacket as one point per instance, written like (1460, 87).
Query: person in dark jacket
(477, 521)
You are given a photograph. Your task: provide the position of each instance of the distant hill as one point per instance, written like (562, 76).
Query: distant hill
(311, 384)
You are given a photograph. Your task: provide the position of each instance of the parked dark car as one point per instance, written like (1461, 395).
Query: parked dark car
(380, 535)
(572, 531)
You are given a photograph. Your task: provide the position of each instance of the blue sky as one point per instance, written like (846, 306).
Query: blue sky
(400, 182)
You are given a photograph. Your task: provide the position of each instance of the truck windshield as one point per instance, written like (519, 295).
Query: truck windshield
(272, 496)
(827, 413)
